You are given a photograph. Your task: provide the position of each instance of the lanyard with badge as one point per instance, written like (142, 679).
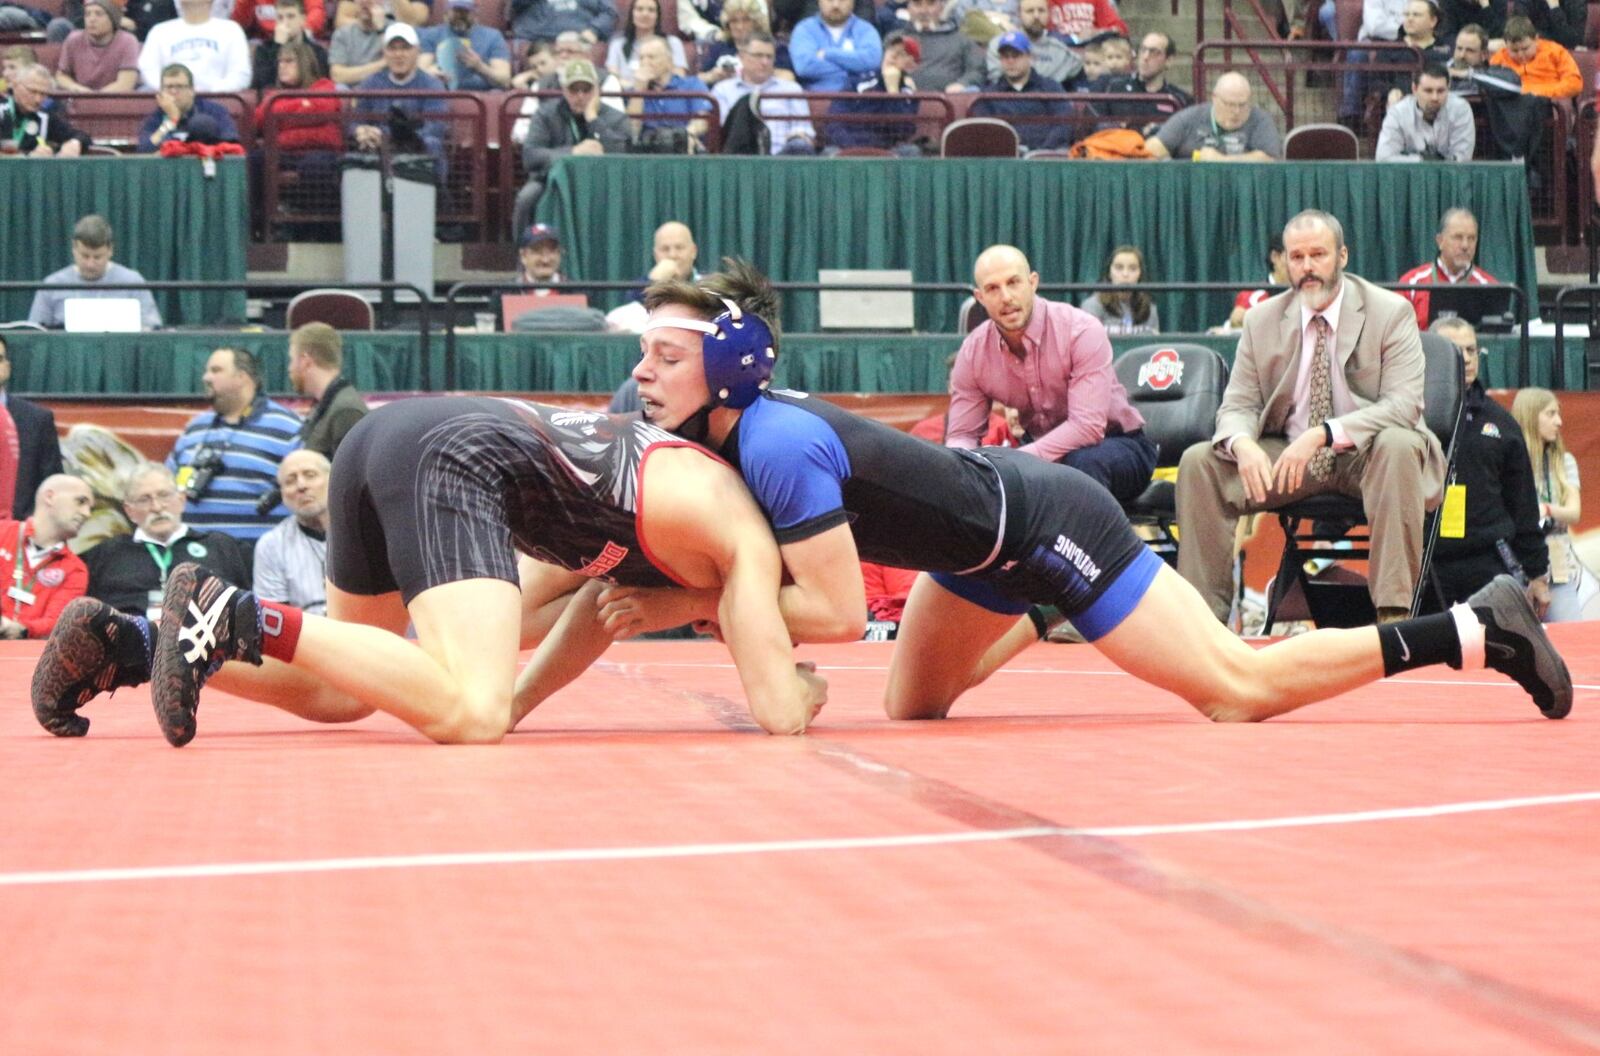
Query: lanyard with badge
(163, 559)
(20, 593)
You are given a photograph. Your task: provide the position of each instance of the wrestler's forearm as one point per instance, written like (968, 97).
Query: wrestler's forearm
(759, 641)
(574, 643)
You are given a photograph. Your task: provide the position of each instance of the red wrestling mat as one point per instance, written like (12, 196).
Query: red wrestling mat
(1074, 864)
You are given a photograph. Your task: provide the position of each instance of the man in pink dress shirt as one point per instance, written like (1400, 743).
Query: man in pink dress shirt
(1052, 363)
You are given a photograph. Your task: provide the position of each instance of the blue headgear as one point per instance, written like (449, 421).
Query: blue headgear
(738, 353)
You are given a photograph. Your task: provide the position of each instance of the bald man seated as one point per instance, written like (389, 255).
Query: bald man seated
(1051, 362)
(44, 574)
(1228, 128)
(292, 559)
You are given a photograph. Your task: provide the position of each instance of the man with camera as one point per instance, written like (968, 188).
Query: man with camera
(129, 572)
(226, 460)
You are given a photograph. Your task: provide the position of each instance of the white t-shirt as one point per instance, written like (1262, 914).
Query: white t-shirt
(215, 51)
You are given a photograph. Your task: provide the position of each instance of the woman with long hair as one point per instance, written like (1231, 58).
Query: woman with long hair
(644, 23)
(1124, 313)
(299, 71)
(719, 59)
(1573, 588)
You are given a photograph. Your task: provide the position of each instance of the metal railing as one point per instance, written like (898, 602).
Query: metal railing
(114, 118)
(1591, 366)
(1280, 67)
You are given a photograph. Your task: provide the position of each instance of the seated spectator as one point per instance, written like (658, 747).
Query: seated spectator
(539, 63)
(30, 126)
(1124, 313)
(226, 457)
(661, 134)
(100, 57)
(289, 27)
(414, 13)
(213, 50)
(1469, 56)
(644, 24)
(833, 48)
(539, 258)
(674, 252)
(1149, 77)
(1115, 65)
(719, 58)
(1547, 69)
(787, 121)
(1051, 57)
(1017, 77)
(91, 264)
(48, 574)
(1419, 24)
(594, 20)
(1277, 276)
(400, 74)
(298, 130)
(1573, 588)
(129, 573)
(1080, 20)
(316, 362)
(1501, 513)
(1381, 21)
(1457, 240)
(467, 56)
(574, 124)
(901, 54)
(951, 61)
(1229, 128)
(1560, 22)
(887, 589)
(356, 51)
(1431, 124)
(38, 446)
(291, 560)
(181, 117)
(260, 20)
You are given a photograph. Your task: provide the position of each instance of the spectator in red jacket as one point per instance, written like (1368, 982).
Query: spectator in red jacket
(299, 70)
(259, 18)
(41, 574)
(1080, 20)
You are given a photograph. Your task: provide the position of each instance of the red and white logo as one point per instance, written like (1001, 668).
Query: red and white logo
(51, 577)
(609, 558)
(1164, 370)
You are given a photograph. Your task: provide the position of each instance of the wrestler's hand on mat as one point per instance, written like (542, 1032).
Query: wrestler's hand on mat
(1291, 468)
(627, 611)
(1255, 469)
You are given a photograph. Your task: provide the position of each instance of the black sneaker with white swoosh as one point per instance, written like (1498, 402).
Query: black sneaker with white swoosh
(204, 622)
(1515, 645)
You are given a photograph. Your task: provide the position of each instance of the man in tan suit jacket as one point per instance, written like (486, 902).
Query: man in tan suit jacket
(1263, 454)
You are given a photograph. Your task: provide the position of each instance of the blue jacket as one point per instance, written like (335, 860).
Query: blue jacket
(840, 67)
(207, 121)
(873, 98)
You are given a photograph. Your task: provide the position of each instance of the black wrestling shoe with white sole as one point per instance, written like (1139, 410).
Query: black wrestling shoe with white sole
(204, 622)
(92, 649)
(1515, 644)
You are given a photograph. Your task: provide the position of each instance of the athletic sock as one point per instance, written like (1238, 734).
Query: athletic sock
(1420, 642)
(1469, 629)
(280, 630)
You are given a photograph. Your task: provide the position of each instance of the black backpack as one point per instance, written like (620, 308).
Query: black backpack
(743, 132)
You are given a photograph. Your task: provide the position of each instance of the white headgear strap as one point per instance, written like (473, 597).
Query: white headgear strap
(697, 325)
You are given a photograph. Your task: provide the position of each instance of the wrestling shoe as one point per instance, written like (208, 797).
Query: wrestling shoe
(93, 649)
(204, 622)
(1515, 645)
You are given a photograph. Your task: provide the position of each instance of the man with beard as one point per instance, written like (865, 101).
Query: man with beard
(1431, 124)
(1050, 55)
(292, 559)
(129, 572)
(227, 458)
(42, 574)
(1291, 426)
(316, 358)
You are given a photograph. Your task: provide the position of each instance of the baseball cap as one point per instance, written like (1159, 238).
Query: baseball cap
(400, 31)
(1016, 40)
(465, 5)
(539, 233)
(578, 71)
(913, 47)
